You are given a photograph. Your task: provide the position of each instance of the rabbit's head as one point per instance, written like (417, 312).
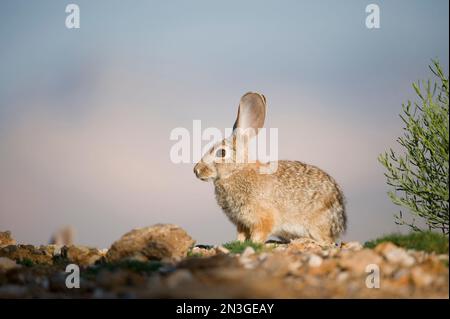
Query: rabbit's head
(231, 154)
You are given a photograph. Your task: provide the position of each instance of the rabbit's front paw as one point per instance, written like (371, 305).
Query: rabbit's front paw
(243, 233)
(261, 231)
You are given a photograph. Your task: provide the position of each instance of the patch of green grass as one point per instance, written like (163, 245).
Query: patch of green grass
(192, 254)
(237, 247)
(426, 241)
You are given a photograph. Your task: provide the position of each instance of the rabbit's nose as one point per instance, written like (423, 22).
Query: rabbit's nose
(196, 170)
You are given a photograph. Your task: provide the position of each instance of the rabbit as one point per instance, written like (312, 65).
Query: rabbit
(297, 200)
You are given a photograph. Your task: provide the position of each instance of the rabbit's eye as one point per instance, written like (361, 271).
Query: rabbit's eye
(221, 153)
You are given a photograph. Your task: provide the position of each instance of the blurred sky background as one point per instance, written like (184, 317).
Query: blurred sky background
(85, 114)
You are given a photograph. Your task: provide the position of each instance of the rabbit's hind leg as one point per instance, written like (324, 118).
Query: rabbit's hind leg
(320, 230)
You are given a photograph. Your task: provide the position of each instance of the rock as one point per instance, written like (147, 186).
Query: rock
(315, 261)
(161, 241)
(222, 250)
(420, 277)
(332, 252)
(6, 239)
(352, 245)
(358, 261)
(208, 251)
(52, 250)
(248, 251)
(248, 259)
(204, 252)
(280, 264)
(301, 245)
(395, 254)
(81, 255)
(199, 251)
(7, 264)
(263, 256)
(384, 247)
(401, 278)
(342, 276)
(27, 253)
(327, 267)
(389, 269)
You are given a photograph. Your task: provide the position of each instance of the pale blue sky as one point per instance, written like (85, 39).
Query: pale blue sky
(85, 115)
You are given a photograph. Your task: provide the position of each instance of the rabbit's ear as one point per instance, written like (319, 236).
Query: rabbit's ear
(251, 114)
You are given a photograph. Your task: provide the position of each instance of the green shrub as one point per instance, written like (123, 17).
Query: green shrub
(426, 241)
(237, 247)
(419, 177)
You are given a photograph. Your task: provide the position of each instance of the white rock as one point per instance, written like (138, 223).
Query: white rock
(246, 258)
(248, 251)
(343, 276)
(399, 256)
(263, 256)
(315, 261)
(197, 250)
(352, 245)
(7, 264)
